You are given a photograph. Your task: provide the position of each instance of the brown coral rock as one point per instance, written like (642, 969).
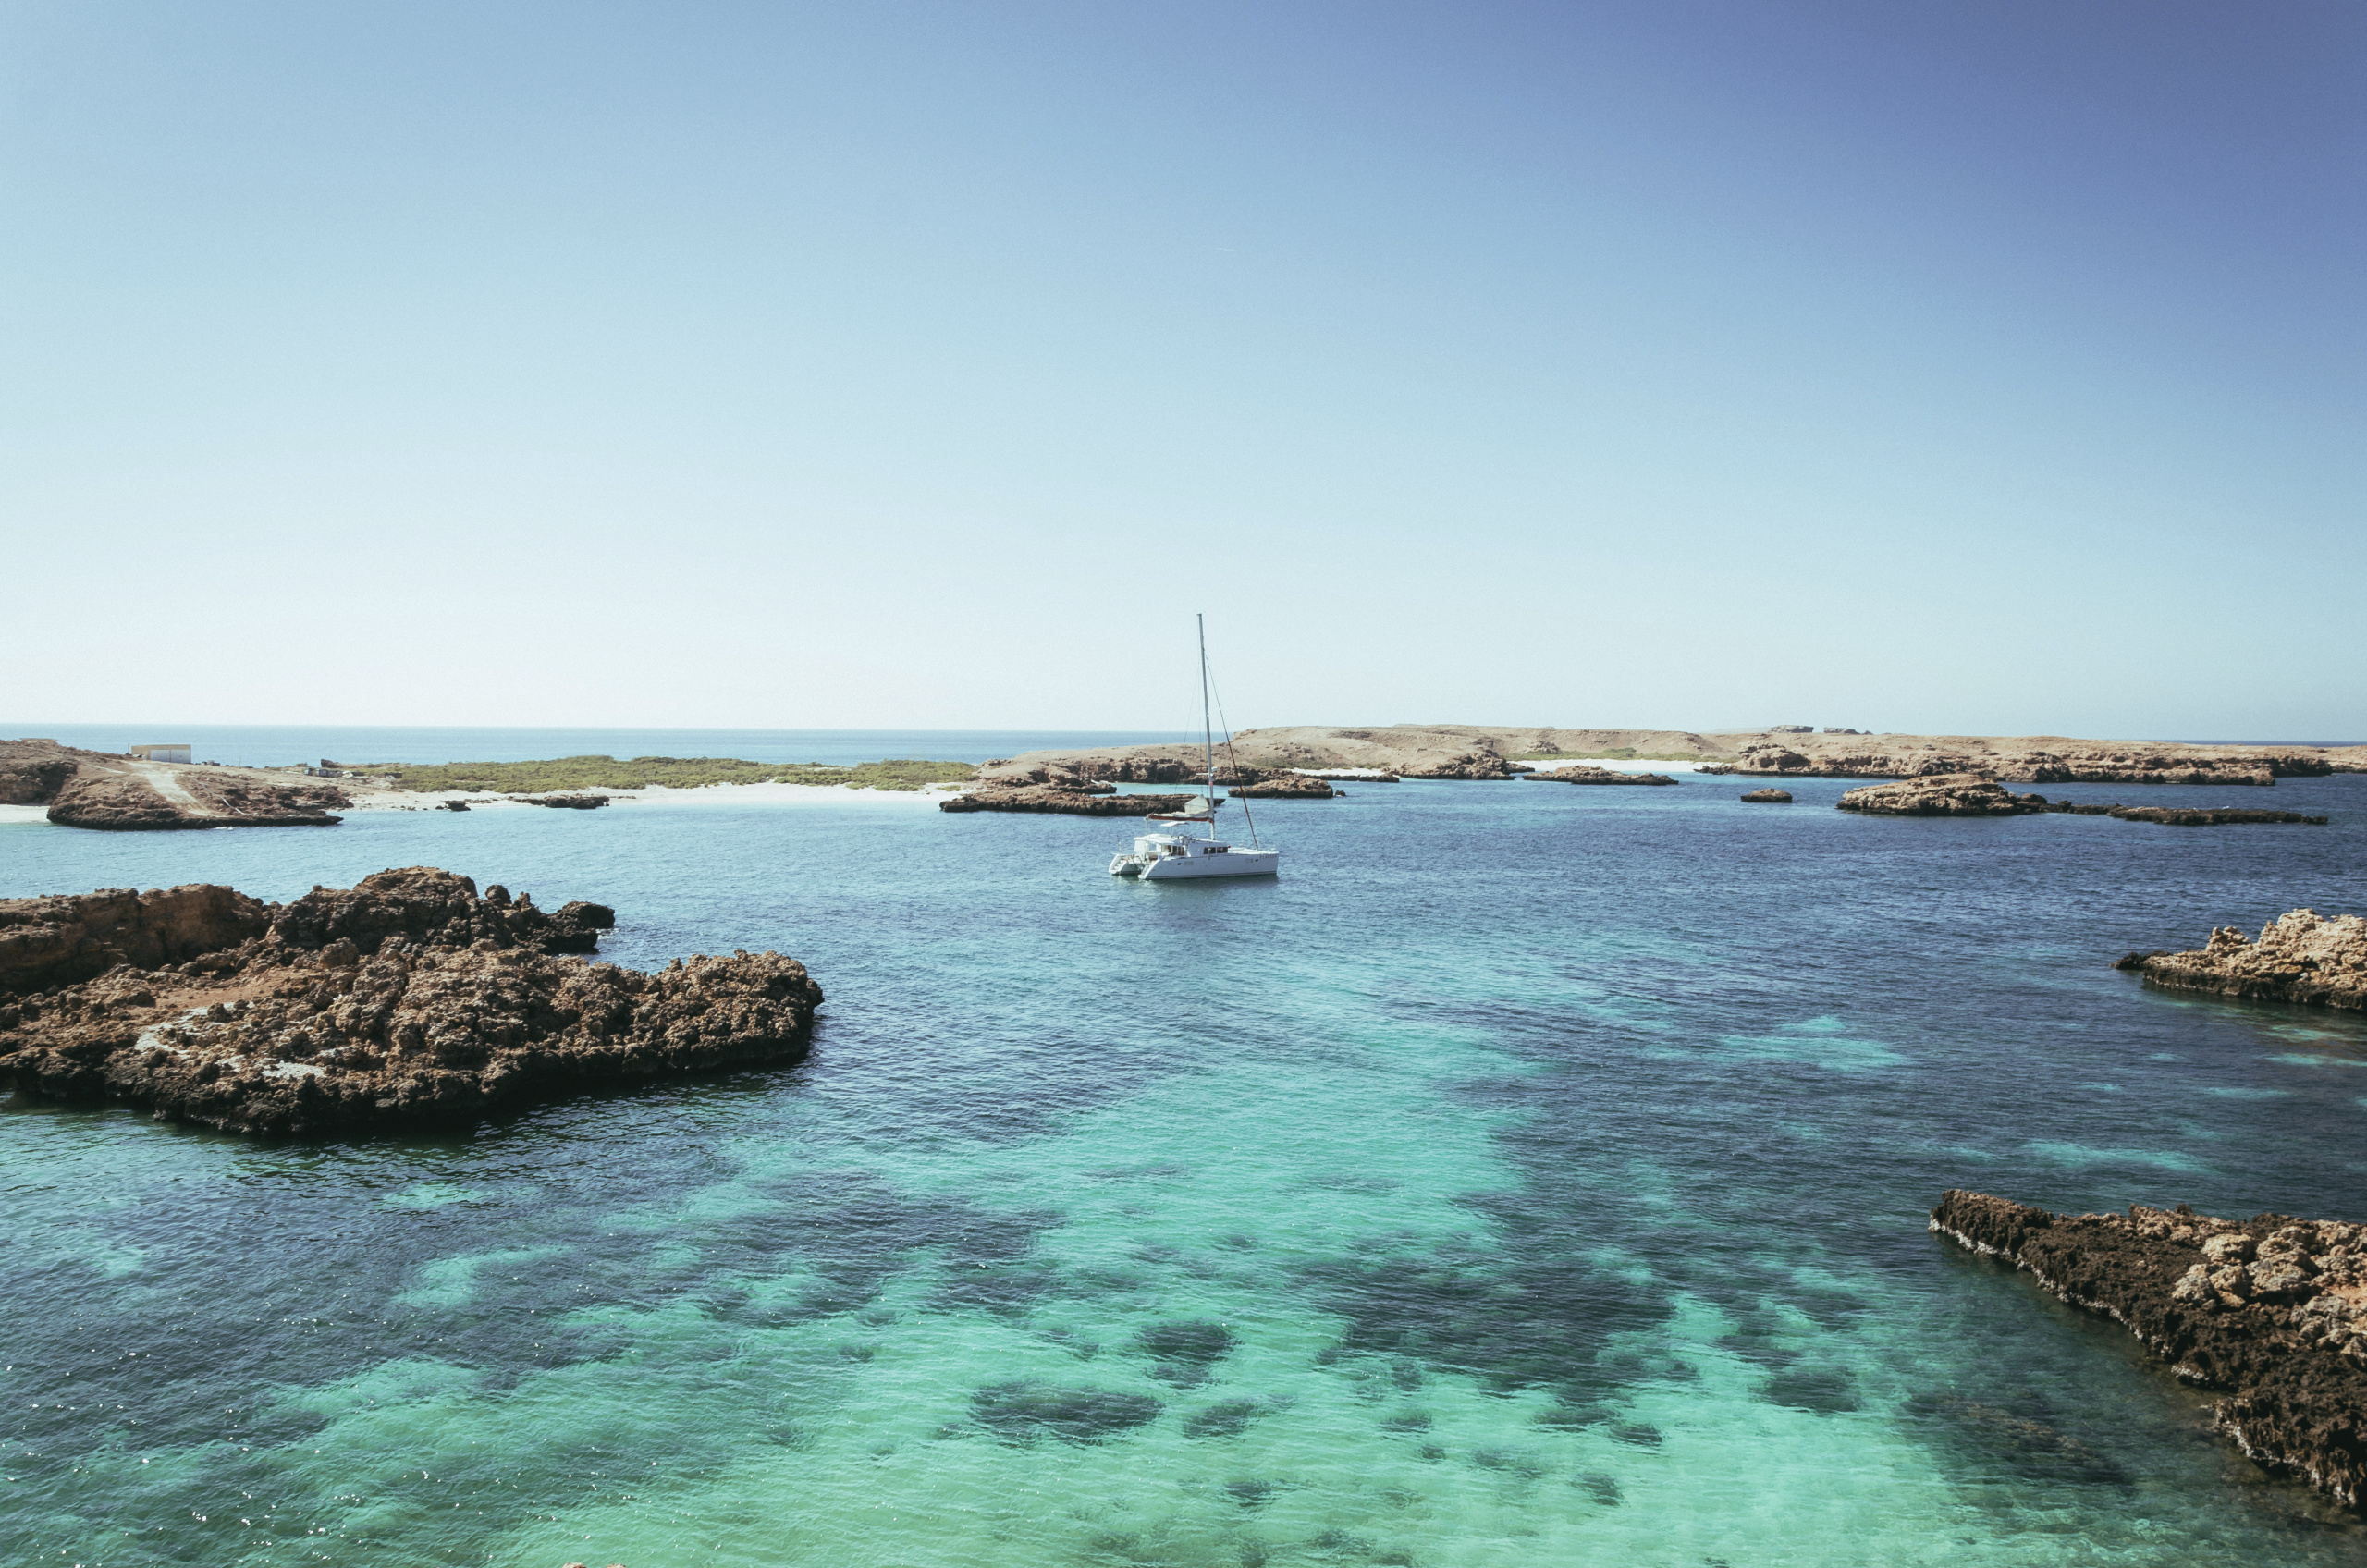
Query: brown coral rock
(126, 802)
(2301, 957)
(2271, 1309)
(1068, 802)
(1466, 765)
(1947, 794)
(1286, 787)
(58, 940)
(32, 781)
(406, 999)
(1579, 774)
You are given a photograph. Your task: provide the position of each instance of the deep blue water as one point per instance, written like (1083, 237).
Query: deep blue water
(1533, 1174)
(278, 744)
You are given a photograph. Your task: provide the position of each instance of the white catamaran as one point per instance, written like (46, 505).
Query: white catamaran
(1160, 857)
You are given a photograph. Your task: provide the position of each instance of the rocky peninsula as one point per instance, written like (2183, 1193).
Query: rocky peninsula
(408, 999)
(85, 788)
(2301, 957)
(2271, 1309)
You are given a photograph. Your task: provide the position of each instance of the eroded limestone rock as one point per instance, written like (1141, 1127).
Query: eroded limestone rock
(2301, 957)
(405, 1000)
(2271, 1309)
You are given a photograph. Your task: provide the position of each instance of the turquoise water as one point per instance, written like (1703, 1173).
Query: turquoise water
(1529, 1176)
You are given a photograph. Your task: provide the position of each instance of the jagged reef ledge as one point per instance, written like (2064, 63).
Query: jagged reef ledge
(407, 1000)
(2301, 957)
(2271, 1309)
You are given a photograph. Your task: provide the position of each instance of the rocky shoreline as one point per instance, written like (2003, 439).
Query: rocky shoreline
(1493, 752)
(2299, 957)
(2271, 1309)
(406, 1000)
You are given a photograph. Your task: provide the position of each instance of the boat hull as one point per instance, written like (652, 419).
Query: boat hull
(1234, 862)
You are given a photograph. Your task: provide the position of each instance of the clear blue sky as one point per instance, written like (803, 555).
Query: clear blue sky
(1955, 367)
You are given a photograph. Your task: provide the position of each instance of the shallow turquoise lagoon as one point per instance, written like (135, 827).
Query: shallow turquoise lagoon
(1531, 1176)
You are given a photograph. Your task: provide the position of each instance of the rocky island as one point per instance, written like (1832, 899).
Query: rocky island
(2301, 957)
(1580, 773)
(1975, 794)
(2271, 1309)
(408, 999)
(1285, 787)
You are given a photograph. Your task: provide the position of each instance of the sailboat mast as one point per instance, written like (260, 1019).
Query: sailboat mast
(1208, 733)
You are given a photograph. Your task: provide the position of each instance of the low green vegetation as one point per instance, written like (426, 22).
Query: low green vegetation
(674, 773)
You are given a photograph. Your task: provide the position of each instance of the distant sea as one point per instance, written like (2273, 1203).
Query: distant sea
(273, 746)
(1528, 1177)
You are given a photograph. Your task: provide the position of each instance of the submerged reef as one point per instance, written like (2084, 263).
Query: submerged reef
(2271, 1309)
(406, 999)
(2301, 957)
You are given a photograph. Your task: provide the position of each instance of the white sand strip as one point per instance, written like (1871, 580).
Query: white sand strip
(23, 814)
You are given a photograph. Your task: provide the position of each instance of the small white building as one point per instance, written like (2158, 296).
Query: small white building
(176, 751)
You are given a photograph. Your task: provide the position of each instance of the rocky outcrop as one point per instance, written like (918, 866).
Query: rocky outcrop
(1579, 774)
(565, 802)
(32, 781)
(57, 941)
(1285, 787)
(1466, 765)
(2037, 765)
(1064, 801)
(405, 1000)
(2271, 1309)
(1769, 797)
(425, 906)
(131, 801)
(2179, 816)
(1971, 795)
(2301, 957)
(1949, 794)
